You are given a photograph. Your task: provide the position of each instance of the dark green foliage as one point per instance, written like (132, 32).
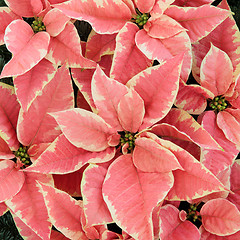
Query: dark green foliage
(8, 230)
(5, 56)
(2, 3)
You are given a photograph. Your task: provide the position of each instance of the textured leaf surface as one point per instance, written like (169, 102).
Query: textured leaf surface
(31, 84)
(87, 131)
(221, 217)
(158, 87)
(128, 60)
(63, 157)
(27, 52)
(36, 125)
(95, 208)
(131, 196)
(100, 14)
(64, 212)
(29, 205)
(9, 109)
(11, 178)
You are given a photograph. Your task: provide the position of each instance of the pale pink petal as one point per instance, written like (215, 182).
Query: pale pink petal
(200, 21)
(55, 21)
(131, 111)
(163, 49)
(131, 196)
(184, 122)
(65, 216)
(28, 50)
(95, 208)
(6, 17)
(229, 122)
(99, 45)
(194, 181)
(205, 235)
(216, 71)
(144, 6)
(149, 156)
(26, 8)
(9, 109)
(29, 205)
(225, 37)
(235, 184)
(25, 231)
(106, 94)
(192, 98)
(62, 157)
(31, 83)
(160, 6)
(36, 125)
(66, 47)
(221, 217)
(128, 60)
(162, 27)
(101, 15)
(216, 160)
(83, 78)
(158, 87)
(172, 228)
(11, 180)
(84, 129)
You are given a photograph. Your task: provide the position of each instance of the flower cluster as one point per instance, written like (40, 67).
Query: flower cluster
(145, 144)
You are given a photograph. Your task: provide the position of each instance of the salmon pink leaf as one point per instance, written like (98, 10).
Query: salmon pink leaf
(172, 228)
(26, 8)
(184, 122)
(158, 87)
(194, 181)
(216, 71)
(29, 205)
(28, 50)
(36, 125)
(55, 22)
(200, 21)
(220, 217)
(95, 208)
(131, 195)
(106, 98)
(66, 47)
(106, 17)
(87, 131)
(131, 111)
(128, 60)
(11, 180)
(6, 17)
(64, 212)
(9, 109)
(31, 84)
(149, 156)
(62, 157)
(99, 45)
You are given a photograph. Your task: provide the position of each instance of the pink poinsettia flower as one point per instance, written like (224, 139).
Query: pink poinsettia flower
(216, 217)
(219, 89)
(162, 25)
(24, 136)
(42, 33)
(123, 123)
